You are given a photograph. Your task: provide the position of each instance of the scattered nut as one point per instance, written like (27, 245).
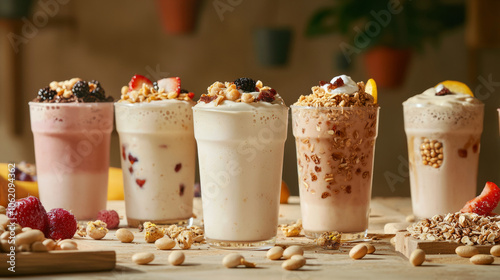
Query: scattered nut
(143, 258)
(49, 244)
(357, 252)
(410, 218)
(232, 260)
(124, 235)
(25, 229)
(5, 235)
(29, 237)
(38, 246)
(165, 243)
(466, 251)
(293, 250)
(495, 251)
(185, 239)
(275, 253)
(176, 257)
(330, 240)
(4, 220)
(67, 246)
(3, 210)
(248, 264)
(59, 243)
(482, 259)
(5, 246)
(292, 230)
(417, 257)
(24, 247)
(296, 262)
(370, 248)
(97, 229)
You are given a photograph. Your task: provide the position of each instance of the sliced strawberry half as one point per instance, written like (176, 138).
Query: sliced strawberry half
(137, 81)
(484, 203)
(172, 84)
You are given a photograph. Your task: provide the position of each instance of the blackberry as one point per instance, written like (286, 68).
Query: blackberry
(96, 83)
(184, 90)
(81, 89)
(99, 93)
(245, 84)
(46, 93)
(155, 86)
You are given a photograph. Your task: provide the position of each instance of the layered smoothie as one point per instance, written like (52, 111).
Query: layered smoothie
(443, 128)
(72, 123)
(240, 128)
(335, 129)
(155, 125)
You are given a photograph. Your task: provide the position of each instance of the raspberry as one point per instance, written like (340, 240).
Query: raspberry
(62, 224)
(29, 212)
(47, 93)
(267, 95)
(81, 89)
(110, 217)
(245, 84)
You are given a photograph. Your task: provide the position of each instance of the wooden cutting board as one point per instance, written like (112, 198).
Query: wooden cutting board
(406, 244)
(58, 262)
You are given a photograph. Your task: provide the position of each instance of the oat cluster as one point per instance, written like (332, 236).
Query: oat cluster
(431, 152)
(330, 240)
(185, 236)
(320, 98)
(152, 232)
(96, 229)
(148, 93)
(464, 228)
(218, 92)
(292, 230)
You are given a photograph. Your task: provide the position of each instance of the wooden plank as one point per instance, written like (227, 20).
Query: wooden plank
(406, 244)
(58, 262)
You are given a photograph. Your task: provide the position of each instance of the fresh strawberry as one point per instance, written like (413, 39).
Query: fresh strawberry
(137, 81)
(484, 203)
(170, 84)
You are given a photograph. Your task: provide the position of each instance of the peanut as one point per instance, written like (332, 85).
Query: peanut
(466, 251)
(4, 245)
(232, 260)
(49, 244)
(3, 210)
(359, 251)
(72, 242)
(38, 246)
(495, 251)
(417, 257)
(67, 246)
(24, 247)
(4, 220)
(165, 243)
(293, 263)
(143, 258)
(29, 237)
(293, 250)
(124, 235)
(482, 259)
(370, 248)
(275, 253)
(176, 257)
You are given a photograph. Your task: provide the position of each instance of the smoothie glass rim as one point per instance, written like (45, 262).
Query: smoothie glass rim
(154, 103)
(323, 108)
(70, 104)
(236, 110)
(448, 106)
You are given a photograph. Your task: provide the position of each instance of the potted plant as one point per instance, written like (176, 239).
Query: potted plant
(272, 45)
(387, 32)
(15, 8)
(178, 16)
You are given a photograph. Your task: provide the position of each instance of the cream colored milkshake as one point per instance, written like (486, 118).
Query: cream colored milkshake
(335, 129)
(158, 153)
(443, 134)
(72, 137)
(240, 135)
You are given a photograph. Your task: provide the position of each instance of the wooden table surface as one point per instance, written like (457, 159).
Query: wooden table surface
(203, 262)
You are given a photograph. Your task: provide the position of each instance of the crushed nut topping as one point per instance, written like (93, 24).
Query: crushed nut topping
(96, 229)
(292, 230)
(148, 94)
(320, 98)
(464, 228)
(218, 92)
(330, 240)
(152, 232)
(185, 236)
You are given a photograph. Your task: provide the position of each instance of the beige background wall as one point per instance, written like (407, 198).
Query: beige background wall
(112, 40)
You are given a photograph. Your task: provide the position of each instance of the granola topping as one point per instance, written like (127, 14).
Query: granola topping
(341, 92)
(225, 93)
(464, 228)
(149, 93)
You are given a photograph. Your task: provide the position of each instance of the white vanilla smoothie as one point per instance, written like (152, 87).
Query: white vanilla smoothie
(240, 152)
(335, 129)
(443, 134)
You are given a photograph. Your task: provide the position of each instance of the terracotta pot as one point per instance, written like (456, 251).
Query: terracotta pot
(272, 45)
(387, 66)
(178, 16)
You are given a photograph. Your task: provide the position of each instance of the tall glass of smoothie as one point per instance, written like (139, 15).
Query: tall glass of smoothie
(72, 123)
(335, 129)
(240, 128)
(443, 127)
(158, 150)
